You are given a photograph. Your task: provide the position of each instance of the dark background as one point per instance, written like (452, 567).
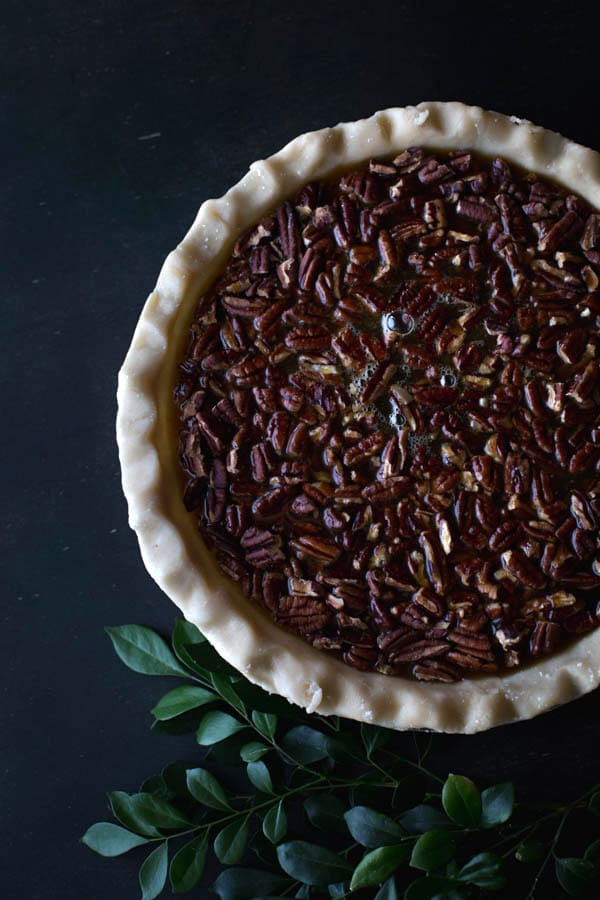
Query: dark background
(118, 119)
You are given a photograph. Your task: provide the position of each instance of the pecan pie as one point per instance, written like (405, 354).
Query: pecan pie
(383, 345)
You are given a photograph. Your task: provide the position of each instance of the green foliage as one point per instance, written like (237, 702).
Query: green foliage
(311, 864)
(231, 842)
(275, 823)
(387, 891)
(180, 700)
(217, 726)
(325, 811)
(371, 828)
(145, 813)
(204, 787)
(153, 872)
(592, 853)
(433, 850)
(484, 871)
(351, 782)
(373, 737)
(109, 839)
(187, 866)
(305, 745)
(253, 750)
(247, 884)
(259, 776)
(575, 876)
(144, 651)
(265, 724)
(423, 818)
(434, 888)
(497, 805)
(462, 801)
(378, 865)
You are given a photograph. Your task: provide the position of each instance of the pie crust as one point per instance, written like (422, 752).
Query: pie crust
(172, 549)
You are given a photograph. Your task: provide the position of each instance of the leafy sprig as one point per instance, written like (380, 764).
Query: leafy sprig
(293, 775)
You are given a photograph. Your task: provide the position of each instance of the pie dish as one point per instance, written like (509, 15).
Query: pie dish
(447, 526)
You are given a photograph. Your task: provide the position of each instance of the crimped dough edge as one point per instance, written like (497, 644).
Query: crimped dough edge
(171, 547)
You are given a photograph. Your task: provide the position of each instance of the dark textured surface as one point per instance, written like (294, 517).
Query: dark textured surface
(119, 118)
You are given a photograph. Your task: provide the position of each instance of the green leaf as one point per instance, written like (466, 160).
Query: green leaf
(144, 651)
(185, 632)
(265, 723)
(338, 890)
(204, 787)
(180, 700)
(156, 786)
(226, 690)
(259, 776)
(109, 839)
(253, 750)
(187, 866)
(217, 726)
(373, 737)
(462, 801)
(594, 803)
(345, 747)
(423, 818)
(185, 636)
(305, 745)
(325, 811)
(434, 888)
(530, 851)
(186, 723)
(231, 842)
(372, 829)
(227, 753)
(175, 777)
(378, 865)
(247, 884)
(274, 824)
(312, 864)
(592, 854)
(146, 813)
(387, 891)
(205, 660)
(484, 871)
(574, 875)
(194, 651)
(497, 804)
(432, 850)
(153, 872)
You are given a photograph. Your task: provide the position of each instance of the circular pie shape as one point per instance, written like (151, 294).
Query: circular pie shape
(170, 546)
(389, 415)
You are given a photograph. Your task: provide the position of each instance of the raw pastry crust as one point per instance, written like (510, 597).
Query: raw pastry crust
(170, 544)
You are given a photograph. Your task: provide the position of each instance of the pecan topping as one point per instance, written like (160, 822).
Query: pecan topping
(390, 425)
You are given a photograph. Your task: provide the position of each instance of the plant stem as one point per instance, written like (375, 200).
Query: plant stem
(414, 765)
(545, 861)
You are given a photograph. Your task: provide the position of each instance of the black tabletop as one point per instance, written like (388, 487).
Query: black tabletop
(119, 118)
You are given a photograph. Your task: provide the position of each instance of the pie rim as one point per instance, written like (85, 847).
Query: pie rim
(171, 547)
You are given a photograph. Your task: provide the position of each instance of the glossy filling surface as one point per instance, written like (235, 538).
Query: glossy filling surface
(389, 424)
